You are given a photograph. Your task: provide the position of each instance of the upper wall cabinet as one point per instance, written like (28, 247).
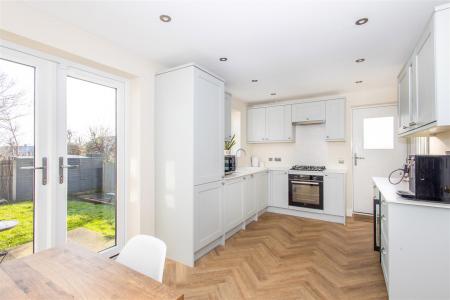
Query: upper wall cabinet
(308, 113)
(270, 124)
(335, 120)
(423, 84)
(227, 111)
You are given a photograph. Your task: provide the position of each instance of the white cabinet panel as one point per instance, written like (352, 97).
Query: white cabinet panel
(405, 97)
(308, 112)
(256, 125)
(250, 205)
(275, 123)
(278, 187)
(208, 214)
(288, 128)
(227, 122)
(334, 194)
(262, 190)
(425, 97)
(335, 120)
(208, 128)
(233, 203)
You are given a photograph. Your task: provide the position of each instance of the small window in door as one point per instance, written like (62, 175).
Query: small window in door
(378, 133)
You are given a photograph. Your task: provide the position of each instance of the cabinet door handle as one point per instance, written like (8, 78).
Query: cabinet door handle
(404, 127)
(412, 123)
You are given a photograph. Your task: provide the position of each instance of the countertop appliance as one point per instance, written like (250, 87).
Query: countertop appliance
(230, 164)
(306, 190)
(429, 177)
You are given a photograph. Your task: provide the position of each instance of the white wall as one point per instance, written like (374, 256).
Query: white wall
(310, 149)
(440, 143)
(23, 25)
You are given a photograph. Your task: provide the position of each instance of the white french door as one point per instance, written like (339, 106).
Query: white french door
(61, 155)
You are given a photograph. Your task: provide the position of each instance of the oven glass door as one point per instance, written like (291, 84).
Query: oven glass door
(306, 194)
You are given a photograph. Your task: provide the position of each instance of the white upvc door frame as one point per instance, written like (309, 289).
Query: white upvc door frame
(52, 109)
(61, 149)
(44, 97)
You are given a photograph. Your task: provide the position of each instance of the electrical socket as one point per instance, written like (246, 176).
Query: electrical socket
(341, 161)
(270, 159)
(277, 158)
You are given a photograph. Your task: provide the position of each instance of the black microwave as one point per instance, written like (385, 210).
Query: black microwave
(429, 177)
(230, 164)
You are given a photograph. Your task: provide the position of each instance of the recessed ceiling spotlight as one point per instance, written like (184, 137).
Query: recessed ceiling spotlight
(273, 94)
(254, 80)
(165, 18)
(362, 21)
(360, 60)
(359, 81)
(223, 59)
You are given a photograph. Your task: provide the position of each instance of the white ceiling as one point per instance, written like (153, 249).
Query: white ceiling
(294, 48)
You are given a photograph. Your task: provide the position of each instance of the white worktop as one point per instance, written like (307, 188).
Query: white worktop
(389, 192)
(245, 171)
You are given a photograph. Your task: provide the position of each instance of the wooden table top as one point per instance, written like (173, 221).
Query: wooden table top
(73, 272)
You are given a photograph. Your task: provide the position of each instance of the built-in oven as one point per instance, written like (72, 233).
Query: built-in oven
(306, 191)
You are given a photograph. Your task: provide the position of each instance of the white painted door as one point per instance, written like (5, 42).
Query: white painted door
(278, 187)
(256, 125)
(27, 175)
(376, 151)
(208, 128)
(233, 205)
(208, 214)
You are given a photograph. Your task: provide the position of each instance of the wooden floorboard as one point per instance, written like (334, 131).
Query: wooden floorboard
(285, 257)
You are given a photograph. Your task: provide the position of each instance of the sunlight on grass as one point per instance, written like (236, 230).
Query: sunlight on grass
(96, 217)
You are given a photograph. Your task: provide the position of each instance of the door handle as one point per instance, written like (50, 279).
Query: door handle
(62, 167)
(356, 157)
(43, 168)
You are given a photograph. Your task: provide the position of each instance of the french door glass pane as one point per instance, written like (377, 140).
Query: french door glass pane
(91, 149)
(16, 152)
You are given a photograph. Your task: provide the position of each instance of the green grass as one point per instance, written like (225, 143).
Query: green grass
(96, 217)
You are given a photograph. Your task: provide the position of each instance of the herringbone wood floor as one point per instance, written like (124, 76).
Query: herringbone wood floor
(285, 257)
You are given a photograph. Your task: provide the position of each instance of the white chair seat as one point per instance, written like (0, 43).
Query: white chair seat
(145, 254)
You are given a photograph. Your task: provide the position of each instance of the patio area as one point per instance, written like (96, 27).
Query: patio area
(89, 224)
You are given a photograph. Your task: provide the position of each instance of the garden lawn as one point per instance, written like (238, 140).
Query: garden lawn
(96, 217)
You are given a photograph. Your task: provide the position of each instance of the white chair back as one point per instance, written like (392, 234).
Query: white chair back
(145, 254)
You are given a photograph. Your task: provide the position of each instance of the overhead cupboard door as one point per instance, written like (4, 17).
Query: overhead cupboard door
(308, 112)
(256, 121)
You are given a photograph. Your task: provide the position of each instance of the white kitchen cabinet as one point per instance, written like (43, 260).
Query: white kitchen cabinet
(278, 189)
(423, 89)
(250, 205)
(208, 214)
(256, 125)
(270, 124)
(279, 123)
(233, 203)
(309, 112)
(227, 121)
(189, 137)
(334, 194)
(405, 97)
(262, 190)
(335, 120)
(208, 128)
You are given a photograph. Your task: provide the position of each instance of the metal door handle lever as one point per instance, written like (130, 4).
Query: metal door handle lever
(43, 168)
(62, 166)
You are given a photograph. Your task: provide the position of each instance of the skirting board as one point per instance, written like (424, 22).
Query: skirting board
(304, 214)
